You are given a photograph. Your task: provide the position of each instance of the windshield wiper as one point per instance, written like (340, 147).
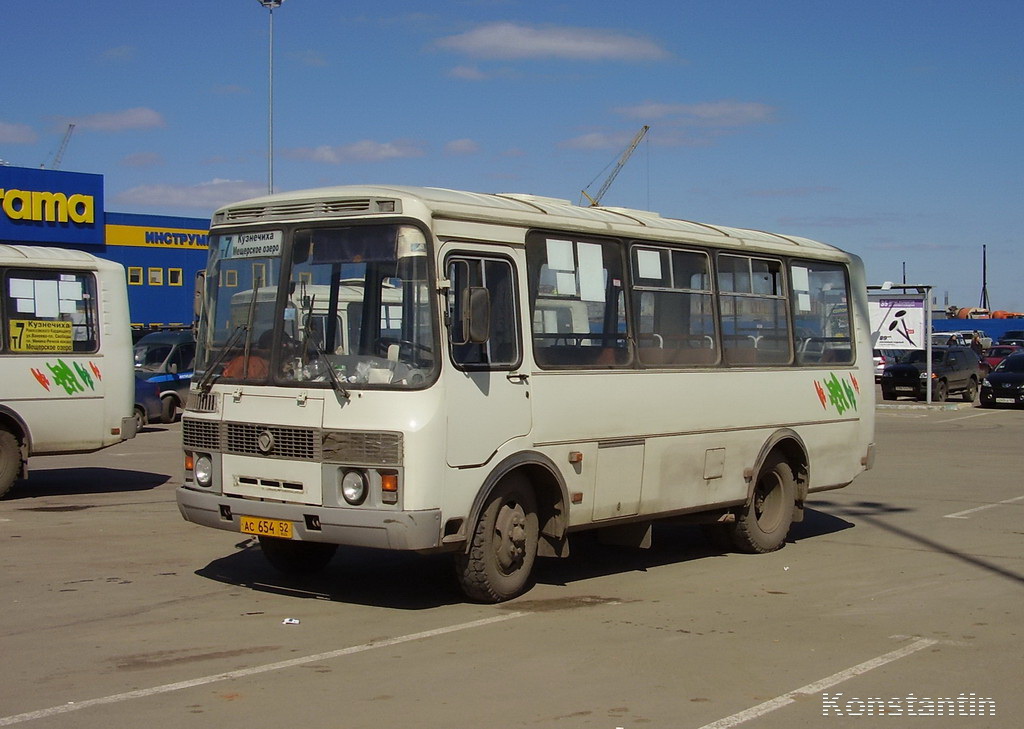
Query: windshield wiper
(307, 333)
(336, 382)
(211, 375)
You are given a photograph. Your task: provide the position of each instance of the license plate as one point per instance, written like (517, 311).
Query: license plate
(1006, 400)
(904, 389)
(266, 527)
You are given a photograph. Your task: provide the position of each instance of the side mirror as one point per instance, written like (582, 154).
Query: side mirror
(476, 315)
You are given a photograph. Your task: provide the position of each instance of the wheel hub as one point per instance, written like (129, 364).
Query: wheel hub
(510, 528)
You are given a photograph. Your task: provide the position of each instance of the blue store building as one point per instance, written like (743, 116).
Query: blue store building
(161, 254)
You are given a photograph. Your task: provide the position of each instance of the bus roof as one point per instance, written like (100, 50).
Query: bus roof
(508, 208)
(46, 256)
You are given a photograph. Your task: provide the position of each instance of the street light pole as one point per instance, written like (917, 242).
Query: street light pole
(270, 5)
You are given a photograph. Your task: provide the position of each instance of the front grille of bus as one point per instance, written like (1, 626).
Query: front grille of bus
(364, 448)
(201, 435)
(300, 444)
(355, 447)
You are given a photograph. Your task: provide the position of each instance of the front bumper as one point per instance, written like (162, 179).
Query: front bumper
(1000, 396)
(398, 530)
(906, 388)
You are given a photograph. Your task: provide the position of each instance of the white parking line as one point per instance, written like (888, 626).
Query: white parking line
(976, 509)
(981, 414)
(242, 673)
(818, 686)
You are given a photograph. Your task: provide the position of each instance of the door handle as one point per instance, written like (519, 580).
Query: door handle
(517, 377)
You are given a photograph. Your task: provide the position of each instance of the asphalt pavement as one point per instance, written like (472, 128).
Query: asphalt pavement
(904, 588)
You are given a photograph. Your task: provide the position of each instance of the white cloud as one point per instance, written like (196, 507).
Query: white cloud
(206, 196)
(461, 147)
(16, 134)
(517, 41)
(120, 121)
(467, 73)
(705, 114)
(363, 151)
(599, 140)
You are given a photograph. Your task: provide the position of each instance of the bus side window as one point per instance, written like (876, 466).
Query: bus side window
(501, 349)
(577, 302)
(50, 311)
(822, 313)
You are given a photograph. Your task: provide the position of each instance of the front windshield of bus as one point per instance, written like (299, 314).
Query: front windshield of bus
(354, 310)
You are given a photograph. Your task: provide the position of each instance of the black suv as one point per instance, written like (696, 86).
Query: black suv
(1013, 336)
(954, 370)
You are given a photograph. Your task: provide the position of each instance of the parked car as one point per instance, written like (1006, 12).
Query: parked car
(1013, 336)
(884, 358)
(167, 359)
(1005, 384)
(997, 353)
(954, 370)
(148, 405)
(949, 339)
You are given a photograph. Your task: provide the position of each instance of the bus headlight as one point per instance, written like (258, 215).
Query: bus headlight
(203, 471)
(354, 487)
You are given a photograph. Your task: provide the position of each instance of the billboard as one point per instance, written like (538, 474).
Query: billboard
(897, 320)
(49, 206)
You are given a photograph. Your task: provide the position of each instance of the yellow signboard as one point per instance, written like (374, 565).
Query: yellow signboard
(134, 235)
(29, 335)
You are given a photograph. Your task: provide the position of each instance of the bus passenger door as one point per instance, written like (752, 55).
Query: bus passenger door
(488, 400)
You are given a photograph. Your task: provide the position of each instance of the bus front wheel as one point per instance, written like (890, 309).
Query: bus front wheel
(500, 557)
(10, 460)
(764, 522)
(296, 558)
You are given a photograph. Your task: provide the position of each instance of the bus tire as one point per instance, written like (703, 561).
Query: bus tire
(168, 408)
(499, 561)
(764, 522)
(10, 460)
(297, 558)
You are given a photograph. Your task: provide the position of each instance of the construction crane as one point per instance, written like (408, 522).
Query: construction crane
(596, 199)
(55, 165)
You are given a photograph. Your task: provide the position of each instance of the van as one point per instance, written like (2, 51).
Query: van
(166, 359)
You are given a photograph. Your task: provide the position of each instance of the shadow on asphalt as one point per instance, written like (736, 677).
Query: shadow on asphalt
(406, 581)
(873, 513)
(83, 481)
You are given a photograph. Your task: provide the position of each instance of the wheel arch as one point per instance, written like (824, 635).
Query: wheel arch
(12, 421)
(791, 447)
(550, 490)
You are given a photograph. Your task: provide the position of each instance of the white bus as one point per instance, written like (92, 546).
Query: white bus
(486, 374)
(68, 381)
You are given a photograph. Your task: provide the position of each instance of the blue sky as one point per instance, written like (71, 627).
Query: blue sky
(891, 129)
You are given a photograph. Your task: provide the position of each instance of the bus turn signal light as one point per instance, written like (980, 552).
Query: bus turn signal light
(389, 488)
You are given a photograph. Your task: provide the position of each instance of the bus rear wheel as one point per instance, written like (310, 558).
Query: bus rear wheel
(297, 558)
(500, 558)
(764, 522)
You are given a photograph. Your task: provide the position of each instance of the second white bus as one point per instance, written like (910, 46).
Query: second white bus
(434, 370)
(67, 381)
